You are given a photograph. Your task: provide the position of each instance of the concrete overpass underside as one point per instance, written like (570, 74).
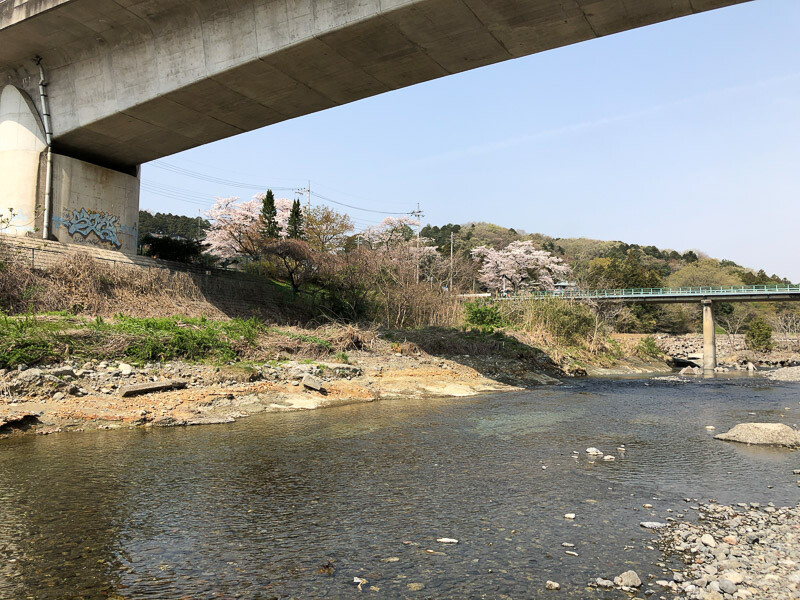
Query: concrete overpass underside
(130, 81)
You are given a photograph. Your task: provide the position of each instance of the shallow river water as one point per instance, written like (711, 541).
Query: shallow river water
(269, 506)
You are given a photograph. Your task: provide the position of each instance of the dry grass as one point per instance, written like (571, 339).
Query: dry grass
(82, 285)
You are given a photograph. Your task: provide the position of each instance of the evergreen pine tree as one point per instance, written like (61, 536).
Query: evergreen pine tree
(269, 223)
(294, 227)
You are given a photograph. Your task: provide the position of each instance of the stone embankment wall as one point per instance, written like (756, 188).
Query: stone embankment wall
(682, 346)
(234, 293)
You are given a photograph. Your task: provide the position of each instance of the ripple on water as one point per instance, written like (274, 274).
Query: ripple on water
(266, 507)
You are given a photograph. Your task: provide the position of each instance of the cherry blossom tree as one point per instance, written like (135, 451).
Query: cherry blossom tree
(519, 266)
(236, 228)
(391, 232)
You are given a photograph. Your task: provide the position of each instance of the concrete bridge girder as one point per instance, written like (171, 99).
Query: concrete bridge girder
(130, 81)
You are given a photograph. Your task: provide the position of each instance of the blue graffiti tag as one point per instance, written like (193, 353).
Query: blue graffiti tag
(84, 222)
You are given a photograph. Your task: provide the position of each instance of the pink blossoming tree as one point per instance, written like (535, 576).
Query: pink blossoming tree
(519, 266)
(236, 226)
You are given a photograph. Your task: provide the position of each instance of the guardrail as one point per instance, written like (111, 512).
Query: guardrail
(654, 293)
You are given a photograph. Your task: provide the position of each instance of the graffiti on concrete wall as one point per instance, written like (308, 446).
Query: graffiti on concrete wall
(86, 222)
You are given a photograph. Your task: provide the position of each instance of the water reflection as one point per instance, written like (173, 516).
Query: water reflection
(296, 505)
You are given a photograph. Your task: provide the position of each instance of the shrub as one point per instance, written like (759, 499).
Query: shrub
(484, 315)
(647, 347)
(554, 321)
(22, 343)
(759, 335)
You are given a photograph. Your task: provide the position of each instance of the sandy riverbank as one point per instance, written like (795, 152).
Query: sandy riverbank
(94, 395)
(70, 397)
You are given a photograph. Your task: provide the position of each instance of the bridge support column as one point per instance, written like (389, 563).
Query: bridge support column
(709, 337)
(22, 142)
(90, 205)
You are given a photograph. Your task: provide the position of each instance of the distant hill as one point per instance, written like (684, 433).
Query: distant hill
(169, 225)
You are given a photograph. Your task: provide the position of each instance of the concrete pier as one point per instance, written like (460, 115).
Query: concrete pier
(21, 146)
(709, 337)
(89, 204)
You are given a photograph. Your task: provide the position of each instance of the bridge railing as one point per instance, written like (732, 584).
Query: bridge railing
(689, 292)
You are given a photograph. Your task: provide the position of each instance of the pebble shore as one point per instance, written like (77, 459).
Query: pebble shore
(741, 551)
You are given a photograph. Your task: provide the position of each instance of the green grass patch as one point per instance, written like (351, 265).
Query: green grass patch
(32, 340)
(309, 339)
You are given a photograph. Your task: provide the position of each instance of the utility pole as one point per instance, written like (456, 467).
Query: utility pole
(307, 192)
(450, 287)
(418, 214)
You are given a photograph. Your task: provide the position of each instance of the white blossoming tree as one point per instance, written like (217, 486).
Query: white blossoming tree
(391, 232)
(236, 228)
(519, 266)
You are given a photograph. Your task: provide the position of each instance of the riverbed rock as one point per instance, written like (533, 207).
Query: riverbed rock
(552, 585)
(313, 383)
(29, 375)
(628, 579)
(594, 451)
(652, 525)
(152, 386)
(295, 370)
(340, 369)
(774, 434)
(62, 372)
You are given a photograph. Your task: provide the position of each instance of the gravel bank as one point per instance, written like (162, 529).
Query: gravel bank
(109, 395)
(742, 551)
(785, 374)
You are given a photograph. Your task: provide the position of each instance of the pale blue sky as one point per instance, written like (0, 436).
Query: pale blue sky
(684, 135)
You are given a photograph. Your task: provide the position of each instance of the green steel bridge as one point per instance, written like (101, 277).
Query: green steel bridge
(739, 293)
(706, 295)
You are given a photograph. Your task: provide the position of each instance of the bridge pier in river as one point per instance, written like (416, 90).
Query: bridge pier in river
(709, 337)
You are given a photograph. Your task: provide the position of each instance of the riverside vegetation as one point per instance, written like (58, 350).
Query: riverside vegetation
(69, 345)
(328, 296)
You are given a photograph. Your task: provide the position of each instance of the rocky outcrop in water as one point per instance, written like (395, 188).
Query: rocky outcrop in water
(773, 434)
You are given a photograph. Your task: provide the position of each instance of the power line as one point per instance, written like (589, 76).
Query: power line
(371, 210)
(227, 170)
(260, 187)
(218, 180)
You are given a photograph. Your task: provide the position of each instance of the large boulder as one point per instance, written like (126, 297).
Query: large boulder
(774, 434)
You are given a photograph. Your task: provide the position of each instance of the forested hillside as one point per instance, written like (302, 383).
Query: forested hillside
(616, 264)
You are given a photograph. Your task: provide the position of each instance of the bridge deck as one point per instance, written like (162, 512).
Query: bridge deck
(743, 293)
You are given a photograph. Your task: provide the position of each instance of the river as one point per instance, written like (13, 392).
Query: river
(270, 506)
